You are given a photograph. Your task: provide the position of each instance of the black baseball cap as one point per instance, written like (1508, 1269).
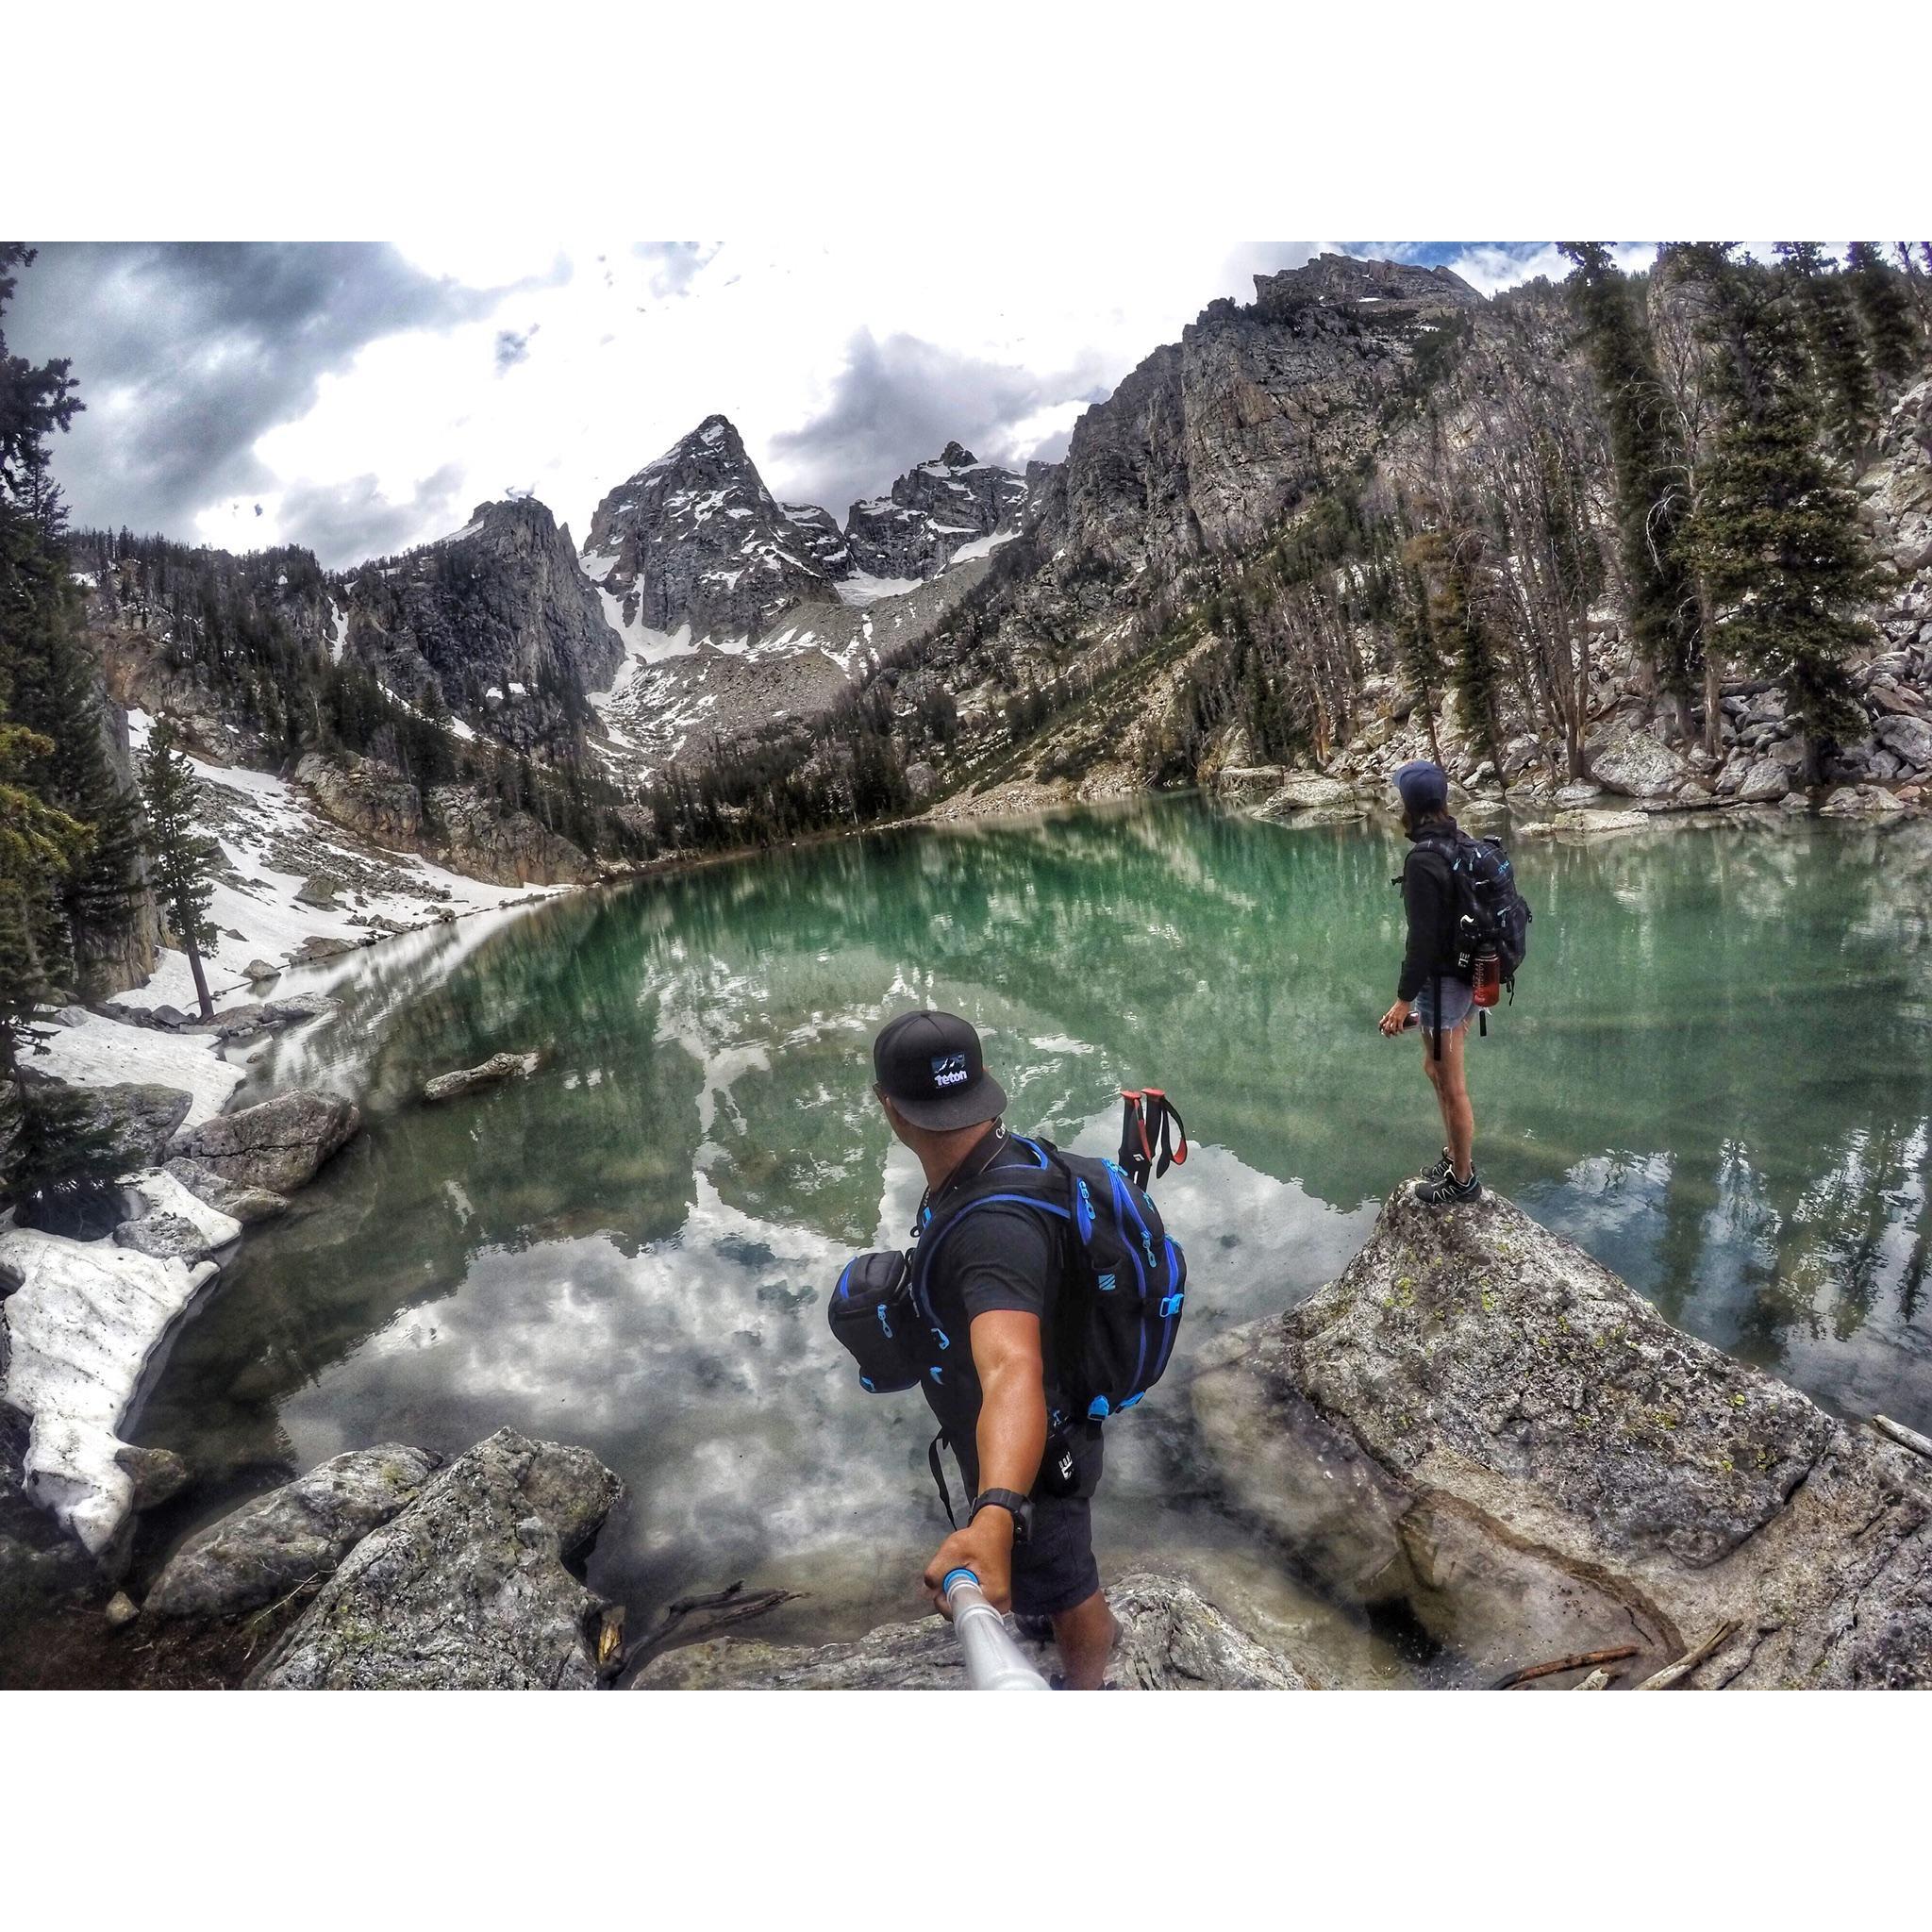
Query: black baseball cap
(931, 1067)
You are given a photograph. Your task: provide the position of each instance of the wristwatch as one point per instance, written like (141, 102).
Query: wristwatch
(1015, 1505)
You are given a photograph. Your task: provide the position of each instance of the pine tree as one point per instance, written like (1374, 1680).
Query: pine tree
(1775, 531)
(1849, 397)
(47, 680)
(1652, 501)
(1886, 310)
(1418, 656)
(183, 883)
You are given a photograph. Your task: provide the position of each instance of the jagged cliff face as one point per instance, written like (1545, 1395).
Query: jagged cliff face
(497, 618)
(695, 543)
(1211, 442)
(932, 513)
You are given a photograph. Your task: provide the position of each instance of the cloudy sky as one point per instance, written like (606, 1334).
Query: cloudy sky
(361, 397)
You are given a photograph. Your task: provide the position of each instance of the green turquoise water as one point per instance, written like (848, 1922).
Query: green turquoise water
(1717, 1077)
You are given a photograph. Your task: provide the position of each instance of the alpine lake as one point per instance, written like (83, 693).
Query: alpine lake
(1716, 1077)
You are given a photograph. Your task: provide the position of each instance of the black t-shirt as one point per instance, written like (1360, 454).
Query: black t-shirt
(1005, 1254)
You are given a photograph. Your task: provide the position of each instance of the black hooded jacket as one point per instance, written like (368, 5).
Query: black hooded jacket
(1428, 896)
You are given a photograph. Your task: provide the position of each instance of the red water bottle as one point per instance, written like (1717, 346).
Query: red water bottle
(1487, 986)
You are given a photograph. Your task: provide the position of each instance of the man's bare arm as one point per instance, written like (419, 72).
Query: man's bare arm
(1012, 1439)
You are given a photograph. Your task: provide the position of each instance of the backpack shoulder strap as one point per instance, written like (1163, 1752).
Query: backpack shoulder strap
(1043, 1184)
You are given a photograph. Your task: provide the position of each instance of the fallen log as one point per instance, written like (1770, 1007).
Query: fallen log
(1676, 1673)
(1557, 1665)
(1905, 1438)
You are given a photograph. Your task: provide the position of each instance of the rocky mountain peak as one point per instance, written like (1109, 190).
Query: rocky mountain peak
(932, 512)
(495, 620)
(1398, 290)
(695, 541)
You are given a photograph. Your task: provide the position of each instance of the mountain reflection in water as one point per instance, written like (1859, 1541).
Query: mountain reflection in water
(1717, 1078)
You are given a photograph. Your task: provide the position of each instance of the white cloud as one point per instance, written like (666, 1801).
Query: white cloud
(590, 361)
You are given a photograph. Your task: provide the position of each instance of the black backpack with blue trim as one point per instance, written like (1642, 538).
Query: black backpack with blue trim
(1122, 1282)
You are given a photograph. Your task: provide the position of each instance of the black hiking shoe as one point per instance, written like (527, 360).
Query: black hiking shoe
(1441, 1170)
(1448, 1190)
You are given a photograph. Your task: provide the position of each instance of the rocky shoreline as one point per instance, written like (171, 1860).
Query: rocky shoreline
(1475, 1429)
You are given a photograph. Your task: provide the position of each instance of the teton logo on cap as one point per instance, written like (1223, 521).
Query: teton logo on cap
(948, 1069)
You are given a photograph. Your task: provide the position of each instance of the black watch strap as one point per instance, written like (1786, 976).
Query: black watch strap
(1015, 1505)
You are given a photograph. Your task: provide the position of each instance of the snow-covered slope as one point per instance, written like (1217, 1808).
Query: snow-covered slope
(275, 845)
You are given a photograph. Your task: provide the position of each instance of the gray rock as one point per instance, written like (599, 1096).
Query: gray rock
(1578, 797)
(1910, 739)
(121, 1610)
(1309, 791)
(1478, 1420)
(248, 1205)
(318, 891)
(167, 1016)
(316, 949)
(1170, 1639)
(261, 1552)
(1860, 802)
(466, 1588)
(258, 970)
(166, 1237)
(297, 1008)
(1631, 761)
(158, 1474)
(139, 1119)
(1765, 781)
(497, 1068)
(276, 1145)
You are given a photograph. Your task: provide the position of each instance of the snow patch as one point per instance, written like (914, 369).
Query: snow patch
(83, 1325)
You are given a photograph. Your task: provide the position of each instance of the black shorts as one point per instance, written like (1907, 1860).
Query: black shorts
(1054, 1569)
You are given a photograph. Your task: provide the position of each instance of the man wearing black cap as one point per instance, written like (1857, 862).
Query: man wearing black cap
(1441, 1003)
(997, 1277)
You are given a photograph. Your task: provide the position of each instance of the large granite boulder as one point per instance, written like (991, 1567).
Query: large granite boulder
(1478, 1421)
(466, 1588)
(1170, 1639)
(276, 1145)
(1631, 761)
(261, 1552)
(138, 1117)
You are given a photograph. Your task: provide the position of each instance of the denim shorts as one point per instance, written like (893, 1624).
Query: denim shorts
(1458, 1003)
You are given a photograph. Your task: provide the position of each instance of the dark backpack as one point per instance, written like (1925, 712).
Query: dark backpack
(1489, 910)
(1123, 1279)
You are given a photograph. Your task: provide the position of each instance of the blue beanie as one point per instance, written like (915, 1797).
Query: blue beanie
(1424, 786)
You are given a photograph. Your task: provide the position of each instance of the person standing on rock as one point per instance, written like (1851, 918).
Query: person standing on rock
(1428, 994)
(996, 1281)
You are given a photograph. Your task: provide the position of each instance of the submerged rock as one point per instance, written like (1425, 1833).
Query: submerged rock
(240, 1204)
(166, 1237)
(276, 1145)
(501, 1066)
(261, 1552)
(1479, 1421)
(1172, 1638)
(466, 1588)
(158, 1475)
